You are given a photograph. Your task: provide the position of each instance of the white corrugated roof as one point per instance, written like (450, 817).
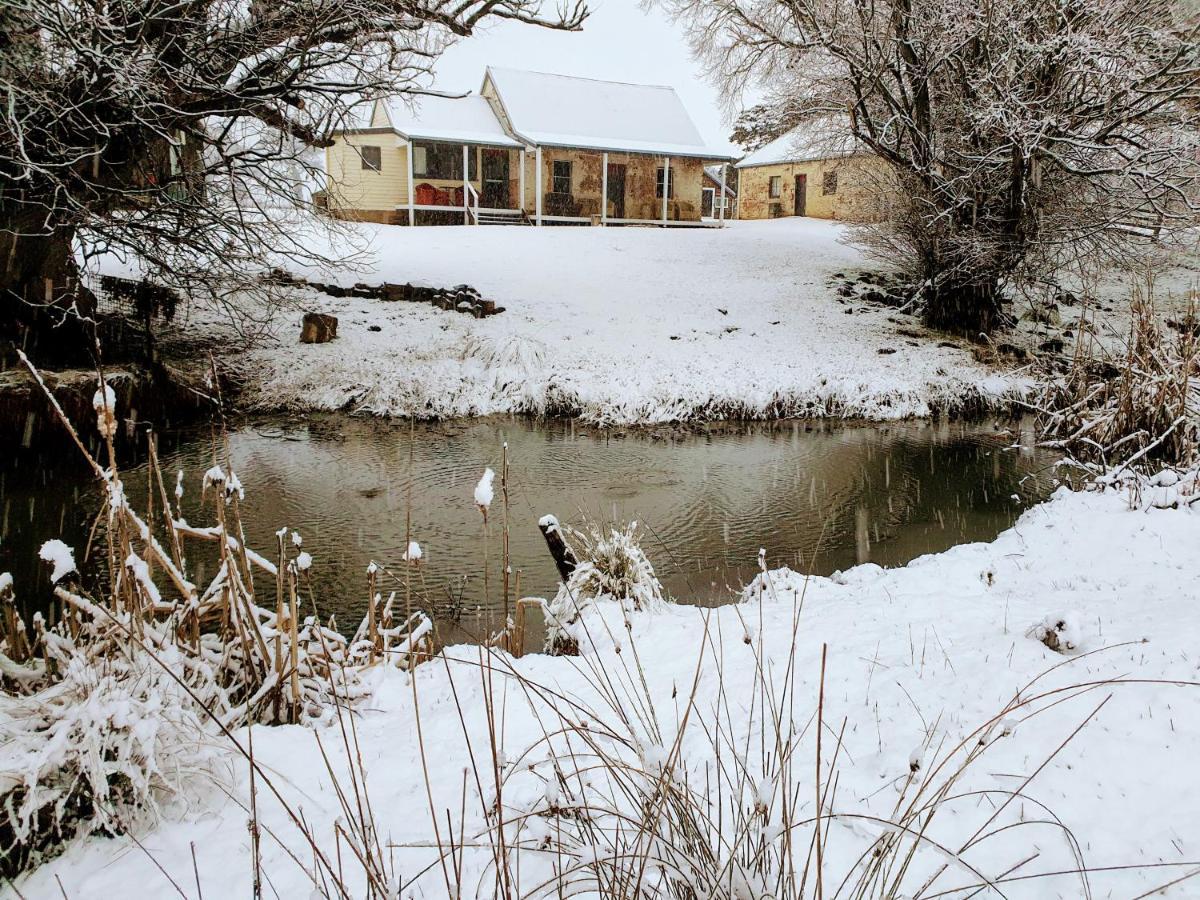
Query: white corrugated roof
(565, 111)
(823, 139)
(461, 120)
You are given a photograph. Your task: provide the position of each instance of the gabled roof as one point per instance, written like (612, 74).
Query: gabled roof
(828, 138)
(438, 117)
(565, 111)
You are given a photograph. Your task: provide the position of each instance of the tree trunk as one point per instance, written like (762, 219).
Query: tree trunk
(43, 307)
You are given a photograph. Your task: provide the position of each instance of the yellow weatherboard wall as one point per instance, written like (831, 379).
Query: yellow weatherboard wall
(364, 193)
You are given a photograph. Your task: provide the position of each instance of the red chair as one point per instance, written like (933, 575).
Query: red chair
(426, 195)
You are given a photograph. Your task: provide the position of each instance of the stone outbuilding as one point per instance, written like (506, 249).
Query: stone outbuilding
(815, 170)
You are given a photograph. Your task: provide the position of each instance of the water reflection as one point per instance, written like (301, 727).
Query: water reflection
(817, 497)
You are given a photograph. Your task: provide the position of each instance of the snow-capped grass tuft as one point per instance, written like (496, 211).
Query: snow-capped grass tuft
(104, 402)
(612, 566)
(60, 557)
(484, 492)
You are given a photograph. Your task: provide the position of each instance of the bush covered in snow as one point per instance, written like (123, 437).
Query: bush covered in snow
(612, 566)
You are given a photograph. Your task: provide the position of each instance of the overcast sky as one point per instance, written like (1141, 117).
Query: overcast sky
(619, 42)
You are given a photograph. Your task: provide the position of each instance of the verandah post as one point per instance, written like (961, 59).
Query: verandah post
(721, 216)
(411, 213)
(466, 186)
(666, 187)
(521, 181)
(604, 188)
(537, 185)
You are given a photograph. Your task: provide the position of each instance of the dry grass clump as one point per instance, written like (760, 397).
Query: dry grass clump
(1138, 409)
(101, 746)
(612, 565)
(107, 707)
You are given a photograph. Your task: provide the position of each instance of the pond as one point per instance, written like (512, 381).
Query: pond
(817, 496)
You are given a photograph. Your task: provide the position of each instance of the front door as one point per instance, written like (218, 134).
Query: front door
(801, 192)
(616, 189)
(494, 194)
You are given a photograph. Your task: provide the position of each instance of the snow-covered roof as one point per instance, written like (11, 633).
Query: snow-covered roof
(822, 139)
(435, 117)
(468, 119)
(565, 111)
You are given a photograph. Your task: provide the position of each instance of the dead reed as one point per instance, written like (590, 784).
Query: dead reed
(1138, 407)
(226, 654)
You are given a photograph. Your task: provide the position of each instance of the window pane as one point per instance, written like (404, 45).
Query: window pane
(371, 158)
(561, 181)
(829, 183)
(443, 161)
(776, 185)
(658, 183)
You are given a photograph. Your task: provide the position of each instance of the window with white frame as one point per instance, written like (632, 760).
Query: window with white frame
(775, 186)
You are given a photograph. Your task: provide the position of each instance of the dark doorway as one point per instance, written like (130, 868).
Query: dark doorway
(495, 180)
(616, 189)
(801, 193)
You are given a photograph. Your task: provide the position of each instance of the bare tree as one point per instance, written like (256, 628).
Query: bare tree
(1026, 132)
(183, 131)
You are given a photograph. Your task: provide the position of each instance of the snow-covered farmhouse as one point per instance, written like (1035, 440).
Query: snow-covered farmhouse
(529, 148)
(814, 170)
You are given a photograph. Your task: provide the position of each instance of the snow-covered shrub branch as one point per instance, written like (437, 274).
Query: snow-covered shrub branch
(112, 739)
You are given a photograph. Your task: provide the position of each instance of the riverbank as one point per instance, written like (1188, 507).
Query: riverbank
(620, 326)
(914, 661)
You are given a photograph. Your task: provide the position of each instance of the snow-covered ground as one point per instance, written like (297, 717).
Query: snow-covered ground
(918, 658)
(621, 325)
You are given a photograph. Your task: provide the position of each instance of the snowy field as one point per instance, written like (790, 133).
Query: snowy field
(621, 325)
(919, 658)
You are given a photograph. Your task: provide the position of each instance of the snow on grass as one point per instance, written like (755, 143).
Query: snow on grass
(621, 325)
(917, 657)
(61, 559)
